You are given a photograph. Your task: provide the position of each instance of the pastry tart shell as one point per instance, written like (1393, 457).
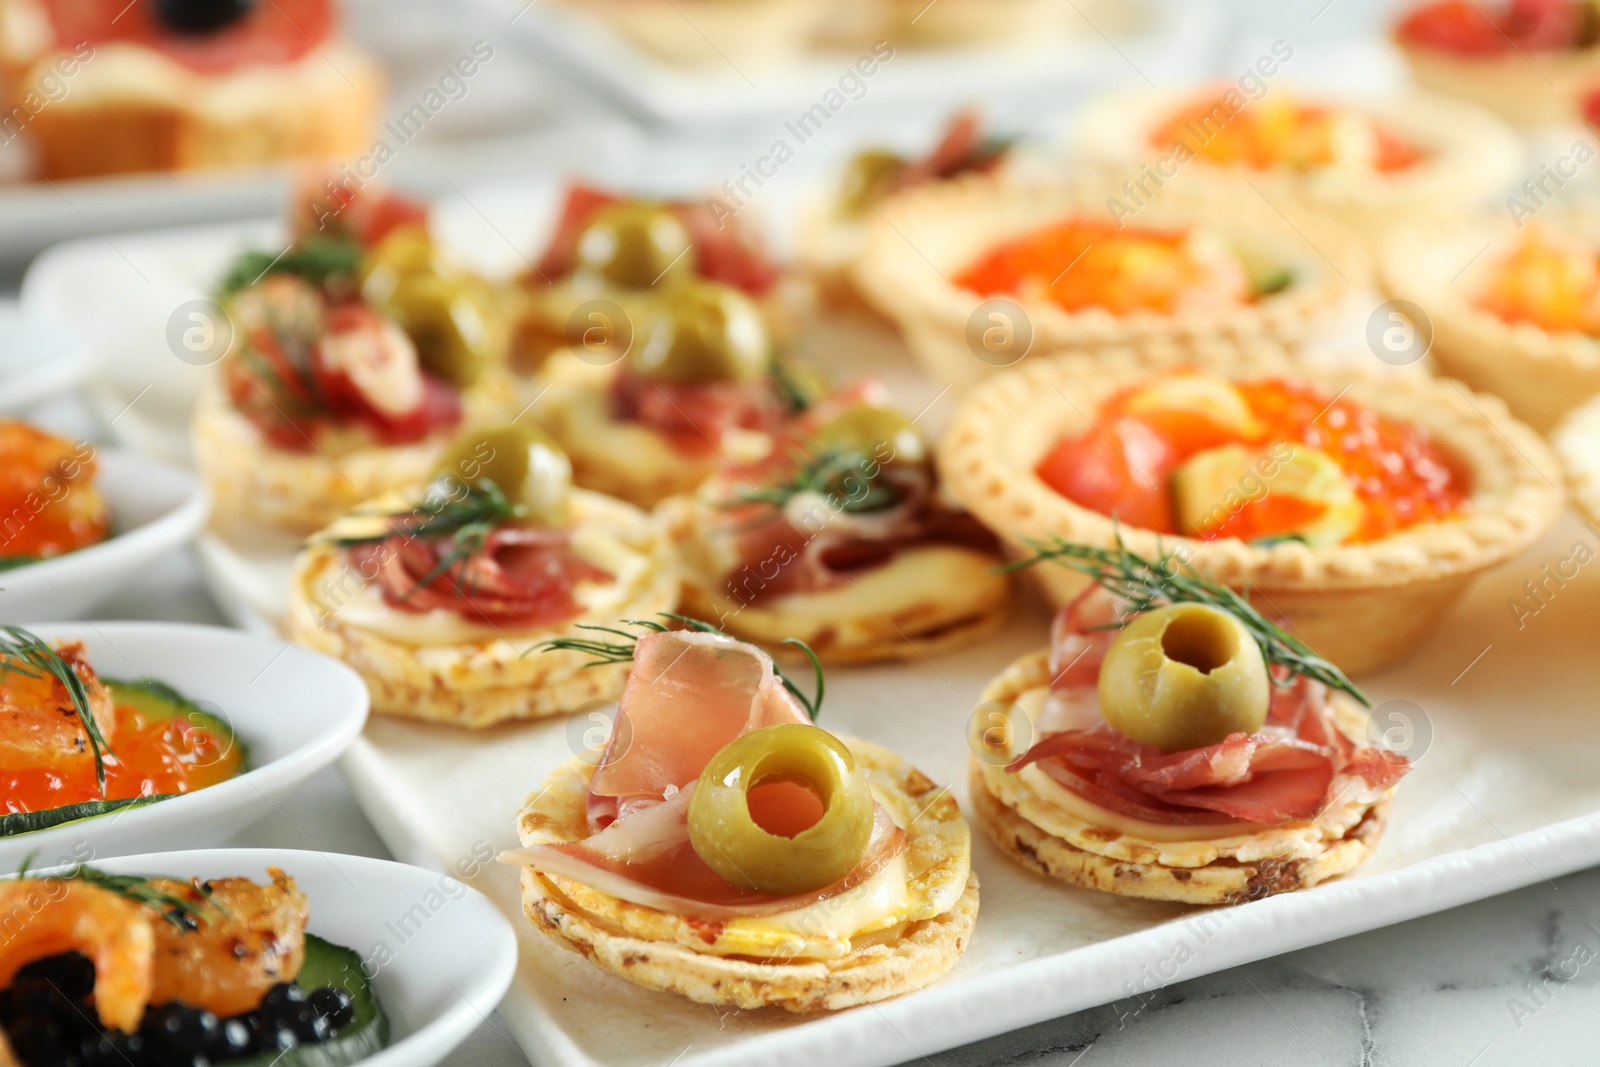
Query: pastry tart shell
(928, 235)
(494, 678)
(251, 482)
(673, 954)
(1228, 871)
(1362, 605)
(1540, 374)
(1538, 88)
(1577, 442)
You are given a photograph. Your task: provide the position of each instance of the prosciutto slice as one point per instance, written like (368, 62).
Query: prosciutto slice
(1292, 769)
(694, 416)
(688, 696)
(522, 576)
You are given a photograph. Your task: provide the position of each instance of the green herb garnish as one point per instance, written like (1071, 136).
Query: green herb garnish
(825, 473)
(622, 651)
(316, 259)
(1142, 584)
(183, 914)
(23, 653)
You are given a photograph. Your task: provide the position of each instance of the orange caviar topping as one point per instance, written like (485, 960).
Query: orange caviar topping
(48, 502)
(1278, 131)
(1548, 280)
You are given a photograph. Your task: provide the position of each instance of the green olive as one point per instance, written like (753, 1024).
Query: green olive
(451, 320)
(406, 251)
(1184, 676)
(636, 245)
(706, 333)
(725, 832)
(880, 432)
(522, 462)
(869, 177)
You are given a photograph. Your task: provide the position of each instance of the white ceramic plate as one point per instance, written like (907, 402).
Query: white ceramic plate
(441, 953)
(154, 509)
(296, 711)
(39, 358)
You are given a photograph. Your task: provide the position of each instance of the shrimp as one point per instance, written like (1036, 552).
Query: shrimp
(44, 918)
(39, 728)
(240, 940)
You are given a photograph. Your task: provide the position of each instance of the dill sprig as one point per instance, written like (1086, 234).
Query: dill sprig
(28, 655)
(183, 914)
(621, 651)
(316, 259)
(824, 472)
(1142, 584)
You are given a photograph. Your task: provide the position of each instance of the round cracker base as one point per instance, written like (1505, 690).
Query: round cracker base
(1221, 882)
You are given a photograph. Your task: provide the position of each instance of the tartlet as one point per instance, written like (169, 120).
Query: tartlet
(1386, 162)
(1449, 270)
(891, 912)
(1577, 442)
(439, 596)
(1294, 274)
(1362, 604)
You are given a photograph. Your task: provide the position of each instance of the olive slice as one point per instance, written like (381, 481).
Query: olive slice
(451, 320)
(1184, 676)
(708, 333)
(869, 176)
(521, 461)
(879, 432)
(636, 245)
(405, 251)
(726, 812)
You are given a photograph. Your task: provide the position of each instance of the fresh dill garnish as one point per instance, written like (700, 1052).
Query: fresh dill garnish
(1142, 584)
(316, 259)
(183, 914)
(28, 655)
(827, 472)
(796, 397)
(622, 651)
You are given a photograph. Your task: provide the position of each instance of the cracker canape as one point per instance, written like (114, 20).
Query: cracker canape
(162, 970)
(1174, 744)
(1514, 307)
(182, 85)
(1357, 505)
(1531, 61)
(1366, 165)
(612, 258)
(357, 353)
(698, 388)
(76, 745)
(705, 33)
(842, 539)
(983, 271)
(727, 849)
(48, 496)
(436, 596)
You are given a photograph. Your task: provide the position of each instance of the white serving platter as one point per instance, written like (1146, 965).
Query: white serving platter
(38, 358)
(446, 953)
(155, 508)
(296, 710)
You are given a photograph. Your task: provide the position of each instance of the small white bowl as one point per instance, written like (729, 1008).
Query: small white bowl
(154, 509)
(39, 358)
(295, 710)
(440, 956)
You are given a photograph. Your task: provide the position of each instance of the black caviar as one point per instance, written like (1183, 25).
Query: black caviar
(47, 1014)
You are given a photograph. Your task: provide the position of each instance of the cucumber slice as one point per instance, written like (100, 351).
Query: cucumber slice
(158, 700)
(27, 822)
(364, 1035)
(11, 563)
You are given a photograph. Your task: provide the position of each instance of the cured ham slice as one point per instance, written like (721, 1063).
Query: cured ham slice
(1291, 769)
(279, 32)
(522, 576)
(694, 416)
(688, 696)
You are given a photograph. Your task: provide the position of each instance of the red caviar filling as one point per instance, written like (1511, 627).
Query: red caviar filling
(1123, 465)
(1474, 28)
(48, 501)
(1275, 131)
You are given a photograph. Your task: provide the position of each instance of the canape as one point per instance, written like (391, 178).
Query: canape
(1514, 306)
(1531, 61)
(981, 272)
(182, 85)
(436, 595)
(76, 746)
(115, 968)
(728, 849)
(842, 539)
(703, 33)
(833, 232)
(1368, 165)
(699, 388)
(356, 354)
(964, 23)
(1173, 743)
(48, 496)
(1356, 505)
(612, 258)
(1577, 442)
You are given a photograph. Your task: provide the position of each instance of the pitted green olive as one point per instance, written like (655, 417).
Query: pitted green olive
(708, 333)
(636, 245)
(744, 836)
(1184, 676)
(869, 176)
(405, 251)
(522, 462)
(451, 320)
(882, 433)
